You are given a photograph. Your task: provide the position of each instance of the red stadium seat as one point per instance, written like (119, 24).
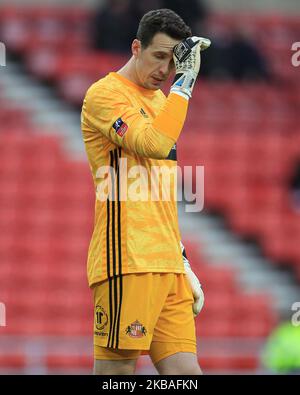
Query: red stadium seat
(12, 361)
(67, 362)
(228, 362)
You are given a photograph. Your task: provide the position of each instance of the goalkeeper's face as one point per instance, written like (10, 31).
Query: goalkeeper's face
(154, 64)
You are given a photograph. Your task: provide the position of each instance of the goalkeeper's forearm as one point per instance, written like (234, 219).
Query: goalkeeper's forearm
(187, 59)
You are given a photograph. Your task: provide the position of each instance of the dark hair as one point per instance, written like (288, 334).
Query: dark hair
(162, 21)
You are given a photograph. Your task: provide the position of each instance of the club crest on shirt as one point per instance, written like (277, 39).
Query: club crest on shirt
(136, 330)
(120, 127)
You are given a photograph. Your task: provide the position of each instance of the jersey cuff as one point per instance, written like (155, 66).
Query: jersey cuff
(171, 118)
(180, 93)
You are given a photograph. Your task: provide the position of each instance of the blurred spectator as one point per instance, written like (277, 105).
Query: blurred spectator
(245, 59)
(138, 8)
(114, 26)
(234, 55)
(295, 187)
(282, 350)
(193, 12)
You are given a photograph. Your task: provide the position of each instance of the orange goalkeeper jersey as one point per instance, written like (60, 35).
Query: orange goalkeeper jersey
(128, 132)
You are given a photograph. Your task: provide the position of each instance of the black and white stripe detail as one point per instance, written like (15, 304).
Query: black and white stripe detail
(114, 260)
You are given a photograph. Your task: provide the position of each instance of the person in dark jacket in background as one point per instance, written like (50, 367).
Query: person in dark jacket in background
(114, 26)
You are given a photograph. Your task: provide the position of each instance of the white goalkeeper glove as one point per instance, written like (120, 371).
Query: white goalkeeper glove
(194, 283)
(187, 59)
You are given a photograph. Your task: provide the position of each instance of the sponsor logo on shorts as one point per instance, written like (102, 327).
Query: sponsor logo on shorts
(101, 318)
(120, 127)
(136, 330)
(100, 334)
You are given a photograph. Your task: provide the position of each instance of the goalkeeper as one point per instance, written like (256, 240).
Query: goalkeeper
(145, 293)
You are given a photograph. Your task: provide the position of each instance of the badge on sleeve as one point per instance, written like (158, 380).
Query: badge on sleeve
(120, 127)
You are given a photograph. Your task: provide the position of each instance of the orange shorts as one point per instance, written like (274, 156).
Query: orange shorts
(143, 313)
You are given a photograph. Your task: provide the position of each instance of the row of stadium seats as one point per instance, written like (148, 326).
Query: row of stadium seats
(30, 27)
(43, 248)
(71, 362)
(56, 46)
(247, 179)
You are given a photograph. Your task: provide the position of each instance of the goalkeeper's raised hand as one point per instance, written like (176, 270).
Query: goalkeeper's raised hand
(194, 283)
(187, 59)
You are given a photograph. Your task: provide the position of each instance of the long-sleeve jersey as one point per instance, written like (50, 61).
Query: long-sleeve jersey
(130, 133)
